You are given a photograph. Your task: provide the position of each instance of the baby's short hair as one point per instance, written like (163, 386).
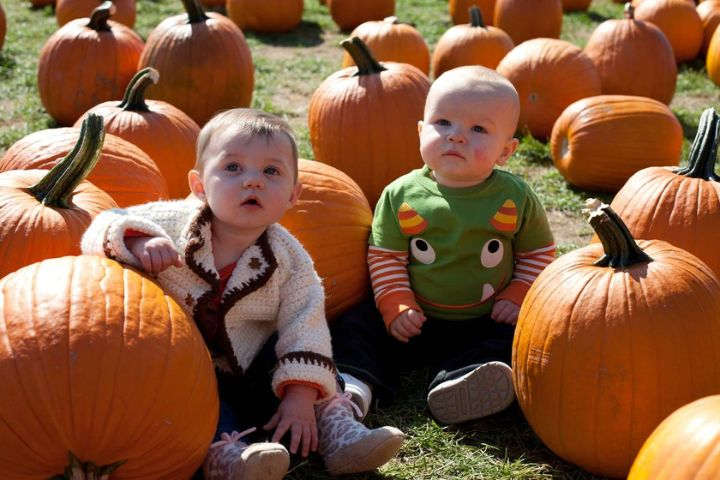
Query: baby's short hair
(245, 121)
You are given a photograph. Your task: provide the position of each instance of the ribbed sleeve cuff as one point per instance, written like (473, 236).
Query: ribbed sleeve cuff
(307, 368)
(395, 303)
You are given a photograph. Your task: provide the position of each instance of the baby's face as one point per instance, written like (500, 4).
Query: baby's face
(465, 133)
(248, 182)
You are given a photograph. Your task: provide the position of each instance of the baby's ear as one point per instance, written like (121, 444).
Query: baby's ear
(510, 147)
(420, 125)
(295, 195)
(196, 185)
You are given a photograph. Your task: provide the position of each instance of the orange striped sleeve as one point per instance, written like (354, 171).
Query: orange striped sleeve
(390, 282)
(528, 266)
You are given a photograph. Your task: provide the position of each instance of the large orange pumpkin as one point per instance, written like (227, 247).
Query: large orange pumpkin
(98, 363)
(526, 19)
(709, 13)
(392, 41)
(470, 44)
(124, 171)
(204, 61)
(610, 340)
(549, 75)
(86, 62)
(44, 214)
(684, 445)
(363, 120)
(680, 206)
(161, 130)
(66, 10)
(633, 58)
(599, 142)
(332, 220)
(459, 10)
(266, 16)
(679, 21)
(349, 14)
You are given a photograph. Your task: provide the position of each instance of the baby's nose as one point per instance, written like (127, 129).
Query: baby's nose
(252, 180)
(456, 137)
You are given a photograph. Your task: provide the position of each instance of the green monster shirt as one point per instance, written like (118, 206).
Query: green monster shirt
(461, 241)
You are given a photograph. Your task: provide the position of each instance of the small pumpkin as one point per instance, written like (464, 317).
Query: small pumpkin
(527, 19)
(679, 21)
(333, 206)
(633, 58)
(161, 130)
(363, 119)
(460, 10)
(709, 13)
(348, 14)
(393, 41)
(85, 62)
(684, 445)
(265, 16)
(680, 206)
(66, 10)
(102, 373)
(470, 44)
(599, 142)
(549, 75)
(575, 5)
(43, 214)
(124, 171)
(204, 61)
(605, 340)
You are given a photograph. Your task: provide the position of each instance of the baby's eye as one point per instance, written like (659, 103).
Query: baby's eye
(272, 171)
(232, 167)
(478, 129)
(443, 122)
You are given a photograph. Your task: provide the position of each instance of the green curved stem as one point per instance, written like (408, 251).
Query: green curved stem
(195, 12)
(134, 99)
(100, 16)
(703, 153)
(476, 18)
(621, 251)
(58, 185)
(79, 470)
(363, 57)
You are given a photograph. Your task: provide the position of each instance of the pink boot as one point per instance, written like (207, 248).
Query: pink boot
(348, 446)
(232, 459)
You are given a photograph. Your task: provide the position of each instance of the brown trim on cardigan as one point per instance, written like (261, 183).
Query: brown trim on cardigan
(309, 357)
(195, 243)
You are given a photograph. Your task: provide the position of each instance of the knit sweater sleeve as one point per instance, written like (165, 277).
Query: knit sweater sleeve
(303, 349)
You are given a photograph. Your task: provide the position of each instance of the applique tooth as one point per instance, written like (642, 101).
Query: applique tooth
(487, 292)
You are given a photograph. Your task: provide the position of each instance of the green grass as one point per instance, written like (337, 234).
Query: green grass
(288, 69)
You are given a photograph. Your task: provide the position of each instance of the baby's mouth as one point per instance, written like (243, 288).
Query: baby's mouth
(251, 202)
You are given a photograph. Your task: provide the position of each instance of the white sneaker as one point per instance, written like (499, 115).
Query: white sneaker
(481, 392)
(360, 393)
(233, 459)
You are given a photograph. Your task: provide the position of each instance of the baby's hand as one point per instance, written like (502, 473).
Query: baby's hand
(154, 253)
(407, 325)
(296, 413)
(505, 311)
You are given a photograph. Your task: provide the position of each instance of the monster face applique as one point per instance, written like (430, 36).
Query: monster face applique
(459, 264)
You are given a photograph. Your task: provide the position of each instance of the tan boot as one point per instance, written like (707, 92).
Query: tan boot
(348, 446)
(232, 459)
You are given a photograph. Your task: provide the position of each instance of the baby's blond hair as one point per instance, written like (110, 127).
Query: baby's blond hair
(255, 123)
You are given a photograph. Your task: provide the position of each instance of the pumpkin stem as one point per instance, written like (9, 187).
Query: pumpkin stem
(79, 470)
(629, 11)
(476, 18)
(195, 12)
(703, 153)
(363, 57)
(134, 99)
(392, 20)
(56, 187)
(100, 16)
(621, 251)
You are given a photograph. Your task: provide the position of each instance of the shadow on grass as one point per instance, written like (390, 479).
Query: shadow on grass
(307, 34)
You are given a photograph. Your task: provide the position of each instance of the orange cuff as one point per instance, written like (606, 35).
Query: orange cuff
(515, 292)
(395, 303)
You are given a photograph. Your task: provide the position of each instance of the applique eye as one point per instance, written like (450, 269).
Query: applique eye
(422, 251)
(492, 253)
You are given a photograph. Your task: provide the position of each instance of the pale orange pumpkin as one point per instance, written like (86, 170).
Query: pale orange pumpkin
(363, 120)
(332, 206)
(470, 44)
(526, 19)
(610, 340)
(124, 171)
(265, 16)
(86, 62)
(204, 61)
(709, 13)
(599, 142)
(98, 364)
(549, 75)
(684, 445)
(679, 21)
(392, 41)
(66, 10)
(633, 58)
(162, 131)
(459, 10)
(43, 214)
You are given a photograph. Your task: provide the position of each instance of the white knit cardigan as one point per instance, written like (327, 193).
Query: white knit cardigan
(274, 287)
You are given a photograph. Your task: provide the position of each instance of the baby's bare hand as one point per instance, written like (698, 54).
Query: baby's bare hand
(296, 414)
(505, 311)
(407, 325)
(154, 253)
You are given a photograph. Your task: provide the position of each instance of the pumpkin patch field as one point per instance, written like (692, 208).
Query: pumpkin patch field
(612, 98)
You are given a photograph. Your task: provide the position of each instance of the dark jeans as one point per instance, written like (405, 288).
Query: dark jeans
(363, 348)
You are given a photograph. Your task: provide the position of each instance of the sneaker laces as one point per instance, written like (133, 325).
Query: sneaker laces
(344, 398)
(228, 438)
